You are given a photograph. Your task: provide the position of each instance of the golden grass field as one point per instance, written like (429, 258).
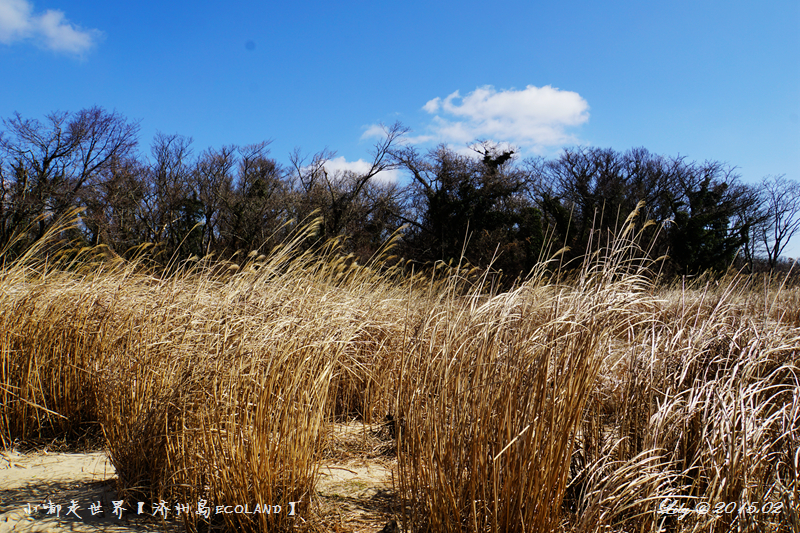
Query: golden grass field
(580, 403)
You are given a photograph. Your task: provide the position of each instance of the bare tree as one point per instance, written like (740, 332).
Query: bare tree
(337, 194)
(113, 202)
(751, 216)
(212, 179)
(168, 189)
(256, 204)
(781, 199)
(46, 166)
(305, 176)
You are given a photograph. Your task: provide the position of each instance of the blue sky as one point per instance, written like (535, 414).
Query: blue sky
(702, 79)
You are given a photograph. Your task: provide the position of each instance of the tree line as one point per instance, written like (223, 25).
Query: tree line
(486, 206)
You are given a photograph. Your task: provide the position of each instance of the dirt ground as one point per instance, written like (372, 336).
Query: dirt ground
(355, 492)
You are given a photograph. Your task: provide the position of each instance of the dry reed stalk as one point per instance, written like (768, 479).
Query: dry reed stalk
(577, 404)
(493, 393)
(716, 390)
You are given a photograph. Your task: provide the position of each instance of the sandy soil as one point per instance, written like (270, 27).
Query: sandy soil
(358, 494)
(354, 492)
(30, 482)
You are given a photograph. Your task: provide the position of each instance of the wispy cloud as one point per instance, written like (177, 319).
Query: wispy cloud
(374, 131)
(50, 29)
(532, 118)
(340, 164)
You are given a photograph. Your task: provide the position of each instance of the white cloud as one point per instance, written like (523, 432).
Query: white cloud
(49, 29)
(531, 118)
(433, 105)
(374, 131)
(340, 164)
(15, 20)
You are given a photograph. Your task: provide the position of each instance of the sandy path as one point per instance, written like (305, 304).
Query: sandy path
(360, 493)
(356, 495)
(28, 481)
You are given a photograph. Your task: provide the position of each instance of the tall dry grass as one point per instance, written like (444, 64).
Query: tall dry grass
(493, 391)
(569, 403)
(703, 410)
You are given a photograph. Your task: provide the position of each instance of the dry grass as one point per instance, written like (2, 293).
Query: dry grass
(557, 406)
